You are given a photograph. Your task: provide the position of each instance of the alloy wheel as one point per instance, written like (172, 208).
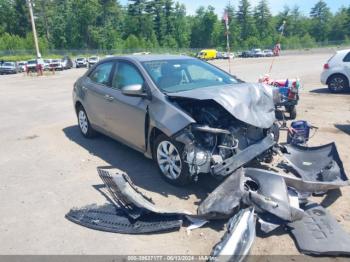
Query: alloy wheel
(83, 122)
(337, 84)
(169, 160)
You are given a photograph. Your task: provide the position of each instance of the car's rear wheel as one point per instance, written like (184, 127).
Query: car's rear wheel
(338, 84)
(84, 123)
(168, 155)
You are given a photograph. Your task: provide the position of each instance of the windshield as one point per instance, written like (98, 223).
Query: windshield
(31, 62)
(173, 76)
(8, 64)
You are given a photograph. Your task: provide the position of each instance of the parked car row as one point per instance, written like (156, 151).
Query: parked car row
(211, 54)
(257, 52)
(86, 62)
(35, 65)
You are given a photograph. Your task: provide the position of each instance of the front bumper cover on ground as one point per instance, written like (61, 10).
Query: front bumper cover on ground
(319, 169)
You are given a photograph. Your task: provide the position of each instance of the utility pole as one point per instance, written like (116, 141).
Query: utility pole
(30, 6)
(226, 19)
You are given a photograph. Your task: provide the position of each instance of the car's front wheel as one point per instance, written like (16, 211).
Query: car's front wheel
(338, 84)
(168, 155)
(84, 123)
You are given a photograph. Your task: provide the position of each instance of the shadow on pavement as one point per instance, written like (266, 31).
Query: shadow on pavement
(325, 90)
(331, 197)
(142, 171)
(344, 128)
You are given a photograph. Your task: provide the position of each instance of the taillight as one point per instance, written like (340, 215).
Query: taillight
(326, 66)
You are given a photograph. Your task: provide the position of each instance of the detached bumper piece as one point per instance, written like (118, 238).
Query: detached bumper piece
(319, 168)
(238, 239)
(130, 213)
(263, 190)
(224, 201)
(318, 233)
(268, 192)
(233, 163)
(126, 194)
(109, 218)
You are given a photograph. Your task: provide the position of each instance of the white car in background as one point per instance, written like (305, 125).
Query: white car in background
(93, 60)
(22, 65)
(336, 72)
(268, 52)
(81, 62)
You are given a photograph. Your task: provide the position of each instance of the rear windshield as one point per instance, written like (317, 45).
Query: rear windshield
(347, 58)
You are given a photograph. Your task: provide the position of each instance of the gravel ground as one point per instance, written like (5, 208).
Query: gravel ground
(47, 167)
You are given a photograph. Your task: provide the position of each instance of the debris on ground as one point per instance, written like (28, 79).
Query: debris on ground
(247, 198)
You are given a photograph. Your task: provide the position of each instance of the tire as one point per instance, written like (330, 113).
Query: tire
(167, 153)
(292, 112)
(84, 123)
(337, 84)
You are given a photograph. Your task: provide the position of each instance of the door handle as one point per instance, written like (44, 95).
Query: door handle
(109, 98)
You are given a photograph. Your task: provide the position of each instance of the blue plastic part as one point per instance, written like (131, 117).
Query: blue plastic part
(300, 132)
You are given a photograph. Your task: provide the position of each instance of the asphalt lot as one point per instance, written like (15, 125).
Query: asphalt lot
(47, 167)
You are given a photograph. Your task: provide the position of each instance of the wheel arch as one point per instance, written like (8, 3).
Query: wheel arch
(77, 105)
(337, 74)
(153, 134)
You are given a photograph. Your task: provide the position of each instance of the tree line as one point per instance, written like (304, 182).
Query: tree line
(148, 24)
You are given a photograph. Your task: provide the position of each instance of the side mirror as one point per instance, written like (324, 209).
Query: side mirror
(134, 90)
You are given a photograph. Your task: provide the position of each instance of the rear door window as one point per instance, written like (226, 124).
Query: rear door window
(102, 73)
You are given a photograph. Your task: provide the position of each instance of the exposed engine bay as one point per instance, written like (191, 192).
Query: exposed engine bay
(216, 136)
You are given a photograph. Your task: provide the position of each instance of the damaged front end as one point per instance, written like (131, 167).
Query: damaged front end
(218, 143)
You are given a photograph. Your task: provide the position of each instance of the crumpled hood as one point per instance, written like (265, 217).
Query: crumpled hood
(248, 102)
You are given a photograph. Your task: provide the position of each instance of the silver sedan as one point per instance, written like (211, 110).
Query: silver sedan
(189, 116)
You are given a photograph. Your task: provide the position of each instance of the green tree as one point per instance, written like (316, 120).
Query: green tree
(203, 29)
(320, 17)
(263, 21)
(245, 20)
(181, 26)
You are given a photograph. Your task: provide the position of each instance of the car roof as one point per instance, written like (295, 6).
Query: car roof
(146, 58)
(345, 51)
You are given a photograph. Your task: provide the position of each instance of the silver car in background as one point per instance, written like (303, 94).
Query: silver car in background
(336, 72)
(189, 116)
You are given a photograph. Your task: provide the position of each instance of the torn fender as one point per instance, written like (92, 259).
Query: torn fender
(167, 117)
(238, 239)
